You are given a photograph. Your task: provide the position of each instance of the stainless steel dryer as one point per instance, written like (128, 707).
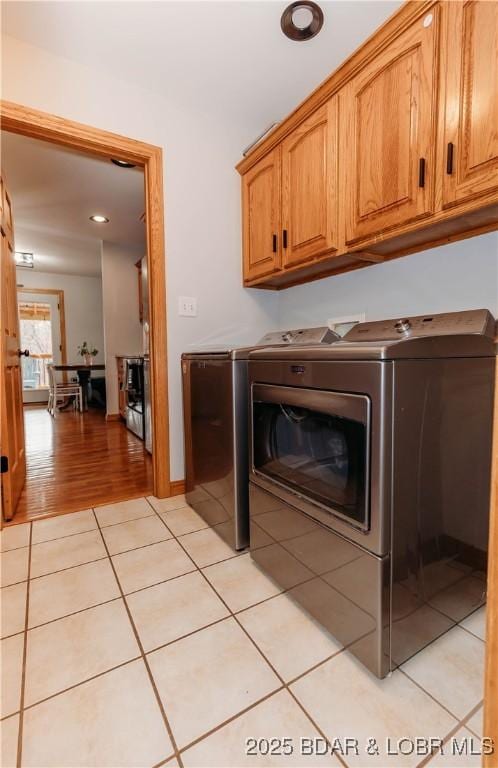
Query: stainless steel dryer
(215, 406)
(370, 463)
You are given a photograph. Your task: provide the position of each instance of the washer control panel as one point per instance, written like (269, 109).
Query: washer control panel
(478, 321)
(321, 335)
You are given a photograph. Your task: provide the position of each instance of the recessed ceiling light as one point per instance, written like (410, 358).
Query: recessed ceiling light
(99, 219)
(24, 259)
(302, 20)
(122, 163)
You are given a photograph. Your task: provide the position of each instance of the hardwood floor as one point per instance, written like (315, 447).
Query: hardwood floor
(76, 461)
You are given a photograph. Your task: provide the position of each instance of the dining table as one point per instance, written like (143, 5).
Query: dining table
(83, 372)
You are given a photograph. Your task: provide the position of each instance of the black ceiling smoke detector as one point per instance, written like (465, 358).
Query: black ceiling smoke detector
(302, 20)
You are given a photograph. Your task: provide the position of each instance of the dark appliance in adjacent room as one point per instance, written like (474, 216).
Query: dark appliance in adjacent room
(370, 468)
(134, 387)
(215, 404)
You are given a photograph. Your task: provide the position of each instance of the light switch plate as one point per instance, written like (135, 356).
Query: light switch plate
(187, 306)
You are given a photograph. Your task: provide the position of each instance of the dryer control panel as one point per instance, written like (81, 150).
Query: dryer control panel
(479, 322)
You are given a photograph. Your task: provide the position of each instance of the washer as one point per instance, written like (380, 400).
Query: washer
(215, 406)
(370, 464)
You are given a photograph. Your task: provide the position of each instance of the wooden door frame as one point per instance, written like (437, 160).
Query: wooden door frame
(26, 121)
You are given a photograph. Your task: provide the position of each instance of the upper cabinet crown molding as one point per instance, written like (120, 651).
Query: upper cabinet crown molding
(395, 152)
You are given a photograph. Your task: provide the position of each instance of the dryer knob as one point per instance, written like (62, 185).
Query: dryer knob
(403, 325)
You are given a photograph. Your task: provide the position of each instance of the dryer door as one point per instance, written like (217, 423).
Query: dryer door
(315, 444)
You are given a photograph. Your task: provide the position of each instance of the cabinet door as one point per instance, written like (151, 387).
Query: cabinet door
(387, 112)
(471, 101)
(261, 217)
(309, 187)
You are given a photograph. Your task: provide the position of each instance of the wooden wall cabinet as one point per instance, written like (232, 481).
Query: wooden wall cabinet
(470, 80)
(261, 217)
(309, 187)
(289, 198)
(388, 134)
(396, 152)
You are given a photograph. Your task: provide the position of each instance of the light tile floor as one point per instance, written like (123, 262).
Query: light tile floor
(133, 636)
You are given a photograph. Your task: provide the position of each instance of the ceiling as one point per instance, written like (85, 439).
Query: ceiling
(225, 57)
(54, 191)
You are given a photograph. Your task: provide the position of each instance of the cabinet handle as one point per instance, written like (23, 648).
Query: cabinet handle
(284, 238)
(449, 158)
(274, 243)
(421, 172)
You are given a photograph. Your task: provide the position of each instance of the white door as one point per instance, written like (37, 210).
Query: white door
(40, 331)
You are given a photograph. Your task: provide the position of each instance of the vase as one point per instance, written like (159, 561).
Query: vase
(88, 359)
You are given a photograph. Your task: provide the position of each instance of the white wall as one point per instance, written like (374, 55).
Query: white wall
(122, 327)
(202, 192)
(82, 305)
(458, 276)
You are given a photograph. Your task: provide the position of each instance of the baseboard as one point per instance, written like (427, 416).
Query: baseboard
(113, 417)
(177, 487)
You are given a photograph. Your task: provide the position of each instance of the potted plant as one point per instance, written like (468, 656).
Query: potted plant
(87, 352)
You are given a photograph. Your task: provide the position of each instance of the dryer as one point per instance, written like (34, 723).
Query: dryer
(370, 462)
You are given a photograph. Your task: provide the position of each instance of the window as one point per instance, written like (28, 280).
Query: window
(36, 336)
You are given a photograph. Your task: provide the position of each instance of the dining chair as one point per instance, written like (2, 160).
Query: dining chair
(61, 391)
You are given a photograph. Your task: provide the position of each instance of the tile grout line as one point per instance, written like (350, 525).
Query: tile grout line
(431, 696)
(24, 655)
(39, 517)
(140, 546)
(68, 568)
(77, 533)
(428, 758)
(450, 734)
(81, 682)
(16, 549)
(230, 719)
(74, 613)
(142, 652)
(471, 714)
(282, 681)
(157, 583)
(469, 632)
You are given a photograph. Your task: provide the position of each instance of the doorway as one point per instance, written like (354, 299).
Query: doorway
(37, 315)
